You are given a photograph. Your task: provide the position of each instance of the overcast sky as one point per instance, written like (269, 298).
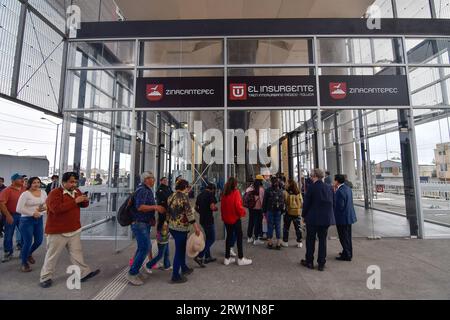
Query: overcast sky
(22, 128)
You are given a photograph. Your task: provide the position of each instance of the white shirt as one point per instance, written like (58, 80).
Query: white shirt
(28, 203)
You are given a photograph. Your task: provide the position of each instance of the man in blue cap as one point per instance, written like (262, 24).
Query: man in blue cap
(8, 204)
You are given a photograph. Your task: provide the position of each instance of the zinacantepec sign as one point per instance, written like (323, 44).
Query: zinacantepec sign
(273, 91)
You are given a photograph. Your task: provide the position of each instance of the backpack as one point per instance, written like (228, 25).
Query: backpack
(125, 212)
(249, 200)
(276, 200)
(294, 203)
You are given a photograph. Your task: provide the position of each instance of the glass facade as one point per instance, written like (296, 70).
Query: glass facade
(385, 153)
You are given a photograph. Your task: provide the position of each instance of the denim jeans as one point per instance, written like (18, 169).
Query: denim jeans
(179, 261)
(31, 229)
(163, 251)
(9, 233)
(141, 232)
(210, 232)
(274, 220)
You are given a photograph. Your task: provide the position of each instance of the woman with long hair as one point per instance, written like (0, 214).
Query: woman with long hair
(255, 196)
(31, 206)
(232, 211)
(294, 203)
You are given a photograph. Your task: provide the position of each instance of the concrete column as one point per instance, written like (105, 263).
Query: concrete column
(347, 150)
(335, 51)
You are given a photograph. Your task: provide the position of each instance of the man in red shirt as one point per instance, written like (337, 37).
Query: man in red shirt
(63, 229)
(8, 203)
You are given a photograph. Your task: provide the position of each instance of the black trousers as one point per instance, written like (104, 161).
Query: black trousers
(237, 230)
(287, 219)
(321, 232)
(345, 237)
(255, 218)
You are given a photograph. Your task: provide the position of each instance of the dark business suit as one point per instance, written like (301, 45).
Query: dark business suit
(318, 214)
(345, 216)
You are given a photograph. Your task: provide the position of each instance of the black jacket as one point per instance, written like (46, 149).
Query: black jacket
(318, 205)
(162, 194)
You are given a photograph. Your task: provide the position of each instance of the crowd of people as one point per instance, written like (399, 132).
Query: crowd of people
(313, 208)
(23, 205)
(319, 204)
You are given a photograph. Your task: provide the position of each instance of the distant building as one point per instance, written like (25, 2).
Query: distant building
(442, 158)
(388, 169)
(30, 166)
(427, 171)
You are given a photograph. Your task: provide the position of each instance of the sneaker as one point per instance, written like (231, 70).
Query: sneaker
(250, 240)
(228, 261)
(285, 244)
(25, 268)
(134, 280)
(321, 267)
(7, 257)
(31, 260)
(199, 261)
(209, 260)
(244, 262)
(182, 279)
(232, 253)
(46, 284)
(169, 268)
(187, 272)
(147, 270)
(278, 247)
(300, 245)
(257, 241)
(143, 275)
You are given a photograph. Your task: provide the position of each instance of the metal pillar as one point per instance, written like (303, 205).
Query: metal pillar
(18, 51)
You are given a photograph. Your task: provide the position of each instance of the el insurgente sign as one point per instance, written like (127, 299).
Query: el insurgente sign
(174, 92)
(360, 91)
(272, 91)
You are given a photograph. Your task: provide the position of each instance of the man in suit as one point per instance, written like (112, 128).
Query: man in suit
(318, 215)
(345, 216)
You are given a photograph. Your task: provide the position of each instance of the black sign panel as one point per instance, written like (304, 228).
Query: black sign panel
(180, 92)
(273, 91)
(360, 91)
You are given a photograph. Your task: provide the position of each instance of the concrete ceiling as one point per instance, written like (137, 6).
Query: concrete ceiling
(241, 9)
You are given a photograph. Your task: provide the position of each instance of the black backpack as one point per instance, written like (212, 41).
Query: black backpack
(276, 200)
(125, 212)
(249, 200)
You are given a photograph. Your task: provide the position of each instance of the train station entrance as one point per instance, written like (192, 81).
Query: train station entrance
(210, 106)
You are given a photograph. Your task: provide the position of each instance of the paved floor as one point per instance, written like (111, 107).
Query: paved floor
(410, 269)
